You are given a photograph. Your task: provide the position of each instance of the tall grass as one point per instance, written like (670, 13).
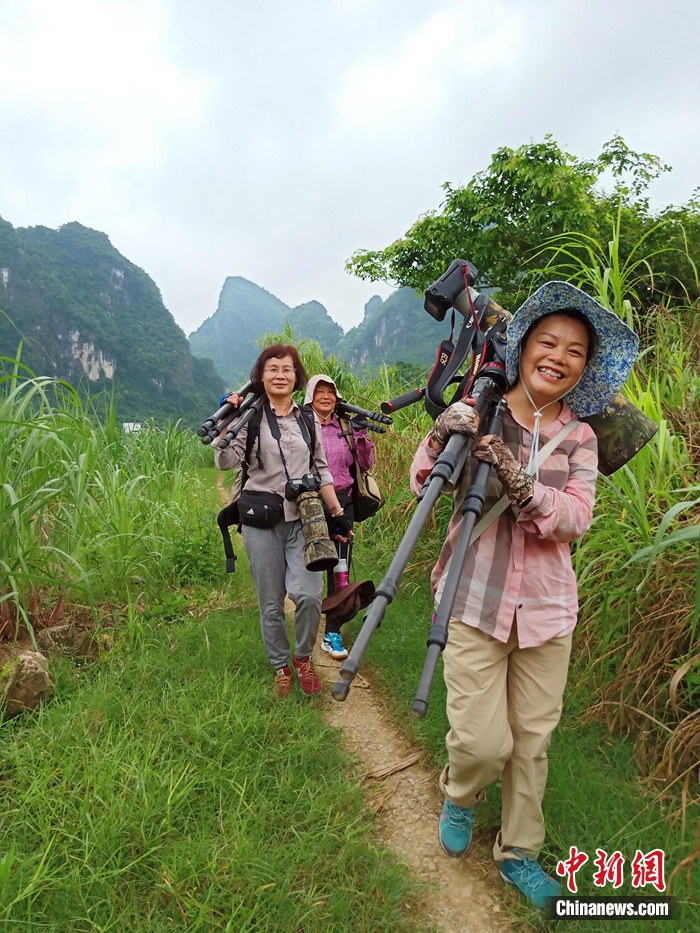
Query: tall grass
(620, 281)
(638, 655)
(167, 789)
(638, 566)
(88, 513)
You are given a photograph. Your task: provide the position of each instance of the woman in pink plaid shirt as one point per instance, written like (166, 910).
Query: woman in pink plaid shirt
(511, 626)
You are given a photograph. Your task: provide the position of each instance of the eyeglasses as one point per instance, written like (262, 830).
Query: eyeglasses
(275, 370)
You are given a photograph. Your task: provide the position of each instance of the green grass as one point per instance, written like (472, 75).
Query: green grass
(595, 798)
(168, 789)
(90, 515)
(165, 789)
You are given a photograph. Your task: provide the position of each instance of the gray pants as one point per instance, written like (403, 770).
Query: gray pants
(276, 558)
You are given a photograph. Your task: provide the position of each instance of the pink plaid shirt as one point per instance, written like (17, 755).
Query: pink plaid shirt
(521, 566)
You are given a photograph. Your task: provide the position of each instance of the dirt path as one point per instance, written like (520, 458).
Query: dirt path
(466, 893)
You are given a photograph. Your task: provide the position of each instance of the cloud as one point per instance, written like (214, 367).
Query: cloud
(272, 139)
(408, 84)
(92, 97)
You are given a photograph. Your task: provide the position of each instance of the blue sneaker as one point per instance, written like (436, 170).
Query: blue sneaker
(526, 874)
(455, 829)
(333, 644)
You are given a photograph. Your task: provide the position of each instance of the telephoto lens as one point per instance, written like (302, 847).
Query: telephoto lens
(319, 551)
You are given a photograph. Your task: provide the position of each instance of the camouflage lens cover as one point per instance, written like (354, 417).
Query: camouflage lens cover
(622, 430)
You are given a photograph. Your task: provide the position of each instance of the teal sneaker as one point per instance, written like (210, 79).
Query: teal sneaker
(526, 874)
(333, 644)
(455, 829)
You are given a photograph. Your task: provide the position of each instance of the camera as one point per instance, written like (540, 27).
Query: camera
(443, 294)
(307, 483)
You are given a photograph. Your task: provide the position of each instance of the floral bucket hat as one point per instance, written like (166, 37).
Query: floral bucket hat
(616, 349)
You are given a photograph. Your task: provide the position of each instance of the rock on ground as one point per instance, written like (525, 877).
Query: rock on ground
(26, 683)
(56, 637)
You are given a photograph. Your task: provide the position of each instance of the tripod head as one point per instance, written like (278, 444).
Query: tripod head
(483, 319)
(361, 417)
(448, 291)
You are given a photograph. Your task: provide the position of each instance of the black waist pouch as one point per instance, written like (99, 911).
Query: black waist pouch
(260, 509)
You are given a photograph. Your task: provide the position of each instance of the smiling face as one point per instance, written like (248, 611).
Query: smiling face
(554, 358)
(324, 399)
(279, 378)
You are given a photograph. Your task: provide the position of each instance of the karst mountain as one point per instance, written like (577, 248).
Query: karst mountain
(79, 310)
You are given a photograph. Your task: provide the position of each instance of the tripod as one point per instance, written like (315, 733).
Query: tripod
(471, 510)
(487, 391)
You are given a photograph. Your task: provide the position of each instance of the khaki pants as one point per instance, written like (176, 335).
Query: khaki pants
(503, 704)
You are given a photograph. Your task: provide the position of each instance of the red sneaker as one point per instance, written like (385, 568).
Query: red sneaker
(308, 678)
(283, 682)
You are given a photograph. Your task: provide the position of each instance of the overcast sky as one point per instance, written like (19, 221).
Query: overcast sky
(272, 138)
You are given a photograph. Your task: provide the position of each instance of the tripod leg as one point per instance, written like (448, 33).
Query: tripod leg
(471, 510)
(454, 456)
(449, 465)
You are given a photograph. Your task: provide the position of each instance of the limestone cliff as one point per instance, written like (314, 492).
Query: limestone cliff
(86, 314)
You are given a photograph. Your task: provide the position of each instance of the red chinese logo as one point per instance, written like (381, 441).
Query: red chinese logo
(570, 866)
(648, 869)
(610, 869)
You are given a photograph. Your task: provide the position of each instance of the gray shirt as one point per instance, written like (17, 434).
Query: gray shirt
(273, 477)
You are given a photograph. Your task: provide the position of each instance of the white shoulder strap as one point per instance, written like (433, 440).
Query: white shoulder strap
(499, 508)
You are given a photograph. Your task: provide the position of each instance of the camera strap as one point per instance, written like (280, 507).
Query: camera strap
(451, 357)
(275, 432)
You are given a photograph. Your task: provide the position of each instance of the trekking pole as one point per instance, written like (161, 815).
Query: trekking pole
(253, 406)
(471, 510)
(448, 465)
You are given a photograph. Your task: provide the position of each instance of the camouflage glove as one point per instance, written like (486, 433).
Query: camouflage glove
(517, 484)
(459, 418)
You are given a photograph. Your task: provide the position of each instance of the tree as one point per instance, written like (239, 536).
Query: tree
(525, 197)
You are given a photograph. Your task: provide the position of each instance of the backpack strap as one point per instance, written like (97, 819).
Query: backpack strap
(252, 436)
(355, 470)
(347, 434)
(309, 417)
(229, 514)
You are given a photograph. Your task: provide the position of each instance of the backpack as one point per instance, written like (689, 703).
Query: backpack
(229, 514)
(367, 498)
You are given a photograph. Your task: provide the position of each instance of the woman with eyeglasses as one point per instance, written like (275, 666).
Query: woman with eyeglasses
(276, 554)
